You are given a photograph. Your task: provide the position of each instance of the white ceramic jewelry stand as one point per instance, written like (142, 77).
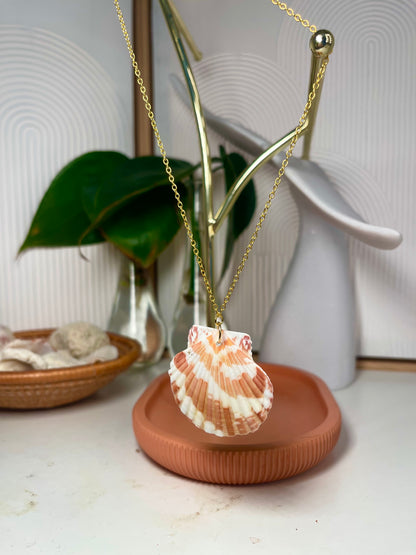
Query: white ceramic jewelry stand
(312, 322)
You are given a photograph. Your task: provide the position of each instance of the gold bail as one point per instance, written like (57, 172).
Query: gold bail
(218, 325)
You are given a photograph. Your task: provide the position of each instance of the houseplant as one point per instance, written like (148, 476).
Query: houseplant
(106, 196)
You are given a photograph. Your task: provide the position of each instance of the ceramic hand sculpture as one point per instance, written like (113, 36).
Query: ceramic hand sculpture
(312, 322)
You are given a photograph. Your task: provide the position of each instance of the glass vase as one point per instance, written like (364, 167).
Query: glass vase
(191, 307)
(136, 313)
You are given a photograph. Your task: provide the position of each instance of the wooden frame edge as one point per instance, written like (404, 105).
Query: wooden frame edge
(389, 364)
(142, 44)
(142, 33)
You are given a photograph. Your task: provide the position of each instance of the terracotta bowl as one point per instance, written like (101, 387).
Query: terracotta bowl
(41, 389)
(302, 428)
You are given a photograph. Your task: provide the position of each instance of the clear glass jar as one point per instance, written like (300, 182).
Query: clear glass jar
(136, 312)
(191, 307)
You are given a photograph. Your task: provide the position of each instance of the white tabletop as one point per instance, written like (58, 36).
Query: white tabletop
(73, 481)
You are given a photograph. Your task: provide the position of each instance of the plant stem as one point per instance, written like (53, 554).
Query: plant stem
(207, 235)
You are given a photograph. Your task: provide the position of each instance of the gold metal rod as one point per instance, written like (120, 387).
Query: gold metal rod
(321, 44)
(247, 174)
(207, 237)
(184, 31)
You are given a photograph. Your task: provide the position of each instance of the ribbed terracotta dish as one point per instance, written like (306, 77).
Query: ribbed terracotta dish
(302, 428)
(39, 389)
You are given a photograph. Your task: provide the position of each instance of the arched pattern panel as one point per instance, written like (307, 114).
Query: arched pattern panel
(57, 101)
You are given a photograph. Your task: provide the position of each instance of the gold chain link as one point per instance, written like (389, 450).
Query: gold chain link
(296, 16)
(219, 310)
(276, 184)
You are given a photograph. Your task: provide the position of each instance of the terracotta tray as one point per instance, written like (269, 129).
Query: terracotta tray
(302, 428)
(40, 389)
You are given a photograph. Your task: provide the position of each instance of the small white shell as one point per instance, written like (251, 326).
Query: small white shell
(71, 345)
(6, 336)
(107, 352)
(38, 346)
(80, 338)
(24, 355)
(14, 366)
(218, 386)
(60, 359)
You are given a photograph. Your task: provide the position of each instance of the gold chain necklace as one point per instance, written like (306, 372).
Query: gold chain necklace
(215, 381)
(219, 310)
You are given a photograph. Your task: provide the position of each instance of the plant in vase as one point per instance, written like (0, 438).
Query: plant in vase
(192, 307)
(106, 196)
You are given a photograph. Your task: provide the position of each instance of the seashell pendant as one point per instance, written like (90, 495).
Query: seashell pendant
(218, 386)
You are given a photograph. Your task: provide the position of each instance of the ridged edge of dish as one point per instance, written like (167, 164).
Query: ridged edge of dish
(240, 465)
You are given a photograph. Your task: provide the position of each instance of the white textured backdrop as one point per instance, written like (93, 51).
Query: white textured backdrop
(65, 88)
(255, 70)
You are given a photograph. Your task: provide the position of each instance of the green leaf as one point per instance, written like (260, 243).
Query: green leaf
(132, 179)
(243, 210)
(143, 228)
(60, 220)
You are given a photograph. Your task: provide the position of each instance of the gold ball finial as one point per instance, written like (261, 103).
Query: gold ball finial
(322, 43)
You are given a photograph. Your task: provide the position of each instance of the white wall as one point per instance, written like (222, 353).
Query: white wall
(65, 88)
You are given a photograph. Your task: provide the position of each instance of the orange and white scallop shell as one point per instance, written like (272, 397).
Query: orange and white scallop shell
(218, 386)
